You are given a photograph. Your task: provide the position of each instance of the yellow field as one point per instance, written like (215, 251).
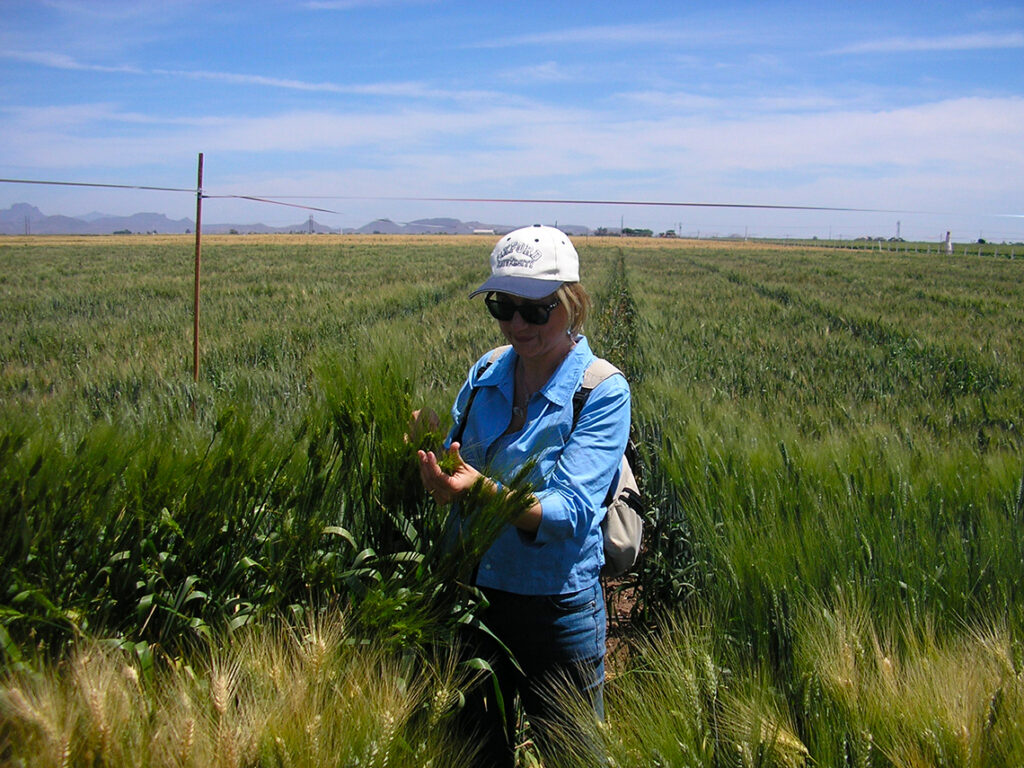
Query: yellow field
(485, 241)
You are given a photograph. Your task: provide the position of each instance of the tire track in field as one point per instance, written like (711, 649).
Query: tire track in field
(618, 322)
(957, 373)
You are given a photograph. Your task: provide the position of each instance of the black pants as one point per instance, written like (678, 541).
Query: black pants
(558, 641)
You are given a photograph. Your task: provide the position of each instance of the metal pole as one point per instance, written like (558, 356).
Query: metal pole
(199, 252)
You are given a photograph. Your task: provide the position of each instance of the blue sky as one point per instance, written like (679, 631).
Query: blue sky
(916, 108)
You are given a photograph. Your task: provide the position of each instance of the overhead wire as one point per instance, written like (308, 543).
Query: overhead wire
(267, 200)
(279, 200)
(163, 189)
(566, 201)
(91, 184)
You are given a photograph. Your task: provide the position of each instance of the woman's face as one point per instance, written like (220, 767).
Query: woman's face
(537, 342)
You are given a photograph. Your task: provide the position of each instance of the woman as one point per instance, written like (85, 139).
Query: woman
(515, 410)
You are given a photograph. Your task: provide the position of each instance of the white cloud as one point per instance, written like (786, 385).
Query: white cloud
(63, 61)
(400, 90)
(996, 15)
(957, 136)
(111, 10)
(961, 151)
(94, 115)
(676, 101)
(614, 34)
(407, 89)
(351, 5)
(546, 72)
(236, 78)
(969, 42)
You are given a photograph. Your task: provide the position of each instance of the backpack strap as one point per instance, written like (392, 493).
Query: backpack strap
(596, 372)
(495, 354)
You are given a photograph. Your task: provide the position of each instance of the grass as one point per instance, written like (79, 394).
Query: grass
(104, 327)
(883, 452)
(304, 694)
(830, 442)
(280, 695)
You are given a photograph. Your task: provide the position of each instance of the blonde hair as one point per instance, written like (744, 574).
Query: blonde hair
(577, 303)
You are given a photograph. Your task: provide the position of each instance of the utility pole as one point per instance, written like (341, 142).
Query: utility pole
(199, 251)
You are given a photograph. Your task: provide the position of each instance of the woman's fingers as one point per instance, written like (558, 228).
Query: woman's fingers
(435, 481)
(429, 468)
(444, 486)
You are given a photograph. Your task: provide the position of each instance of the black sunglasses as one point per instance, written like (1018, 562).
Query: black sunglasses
(534, 314)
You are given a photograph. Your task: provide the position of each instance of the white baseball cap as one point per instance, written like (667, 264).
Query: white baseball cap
(532, 263)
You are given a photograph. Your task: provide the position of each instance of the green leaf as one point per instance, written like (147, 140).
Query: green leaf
(337, 530)
(240, 620)
(9, 646)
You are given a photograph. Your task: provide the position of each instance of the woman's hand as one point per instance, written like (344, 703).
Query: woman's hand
(422, 423)
(443, 486)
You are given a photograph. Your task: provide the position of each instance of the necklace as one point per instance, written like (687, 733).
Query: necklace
(523, 395)
(521, 404)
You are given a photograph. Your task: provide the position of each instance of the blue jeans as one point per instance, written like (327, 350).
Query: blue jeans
(556, 639)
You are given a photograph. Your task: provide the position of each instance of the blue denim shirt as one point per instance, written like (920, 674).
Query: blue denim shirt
(573, 472)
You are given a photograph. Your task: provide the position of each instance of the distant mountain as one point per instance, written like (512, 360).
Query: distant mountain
(263, 229)
(19, 218)
(25, 219)
(440, 226)
(94, 216)
(22, 219)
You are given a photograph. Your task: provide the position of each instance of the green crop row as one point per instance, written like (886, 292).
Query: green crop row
(829, 442)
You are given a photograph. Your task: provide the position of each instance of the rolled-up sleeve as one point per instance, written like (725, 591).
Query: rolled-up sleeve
(576, 487)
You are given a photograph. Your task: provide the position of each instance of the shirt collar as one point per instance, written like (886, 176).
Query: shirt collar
(560, 387)
(567, 377)
(501, 369)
